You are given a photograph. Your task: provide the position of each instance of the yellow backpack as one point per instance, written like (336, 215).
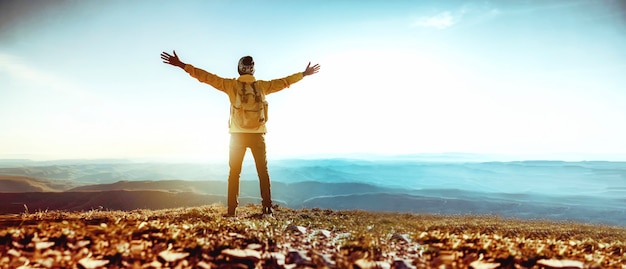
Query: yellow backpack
(250, 108)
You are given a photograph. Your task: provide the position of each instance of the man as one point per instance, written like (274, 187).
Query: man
(247, 124)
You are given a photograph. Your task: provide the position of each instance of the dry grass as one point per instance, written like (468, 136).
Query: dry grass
(200, 237)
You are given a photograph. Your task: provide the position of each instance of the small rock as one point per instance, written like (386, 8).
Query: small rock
(243, 254)
(79, 244)
(401, 238)
(254, 246)
(324, 233)
(236, 235)
(43, 245)
(14, 253)
(89, 263)
(365, 264)
(294, 228)
(561, 264)
(172, 256)
(478, 264)
(204, 265)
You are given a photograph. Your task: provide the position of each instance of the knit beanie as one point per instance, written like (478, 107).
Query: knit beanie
(246, 65)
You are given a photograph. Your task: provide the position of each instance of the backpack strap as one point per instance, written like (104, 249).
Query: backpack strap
(241, 87)
(242, 97)
(237, 104)
(257, 96)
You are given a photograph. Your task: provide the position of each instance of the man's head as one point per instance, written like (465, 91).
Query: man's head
(246, 65)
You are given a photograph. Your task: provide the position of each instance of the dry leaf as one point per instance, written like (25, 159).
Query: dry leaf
(554, 263)
(322, 232)
(365, 264)
(89, 263)
(243, 254)
(294, 228)
(484, 265)
(43, 245)
(172, 256)
(401, 238)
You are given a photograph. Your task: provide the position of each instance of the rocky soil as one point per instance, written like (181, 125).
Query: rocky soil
(202, 237)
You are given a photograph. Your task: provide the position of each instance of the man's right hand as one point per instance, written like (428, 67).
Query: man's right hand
(173, 60)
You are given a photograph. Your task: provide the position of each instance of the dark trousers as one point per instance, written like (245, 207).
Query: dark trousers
(239, 143)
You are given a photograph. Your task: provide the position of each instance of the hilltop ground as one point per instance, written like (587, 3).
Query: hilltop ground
(200, 237)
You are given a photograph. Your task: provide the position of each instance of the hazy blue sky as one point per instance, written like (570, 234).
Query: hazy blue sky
(83, 79)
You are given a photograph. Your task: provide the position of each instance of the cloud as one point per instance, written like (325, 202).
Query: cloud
(29, 75)
(467, 15)
(18, 69)
(442, 20)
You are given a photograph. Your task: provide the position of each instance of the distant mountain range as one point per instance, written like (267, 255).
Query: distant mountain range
(592, 192)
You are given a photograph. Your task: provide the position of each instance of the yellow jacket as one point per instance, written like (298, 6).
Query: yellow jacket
(230, 87)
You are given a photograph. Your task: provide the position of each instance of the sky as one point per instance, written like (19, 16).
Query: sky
(84, 79)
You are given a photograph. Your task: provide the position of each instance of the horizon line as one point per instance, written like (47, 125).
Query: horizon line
(419, 156)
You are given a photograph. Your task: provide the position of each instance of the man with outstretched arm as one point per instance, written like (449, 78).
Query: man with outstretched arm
(248, 115)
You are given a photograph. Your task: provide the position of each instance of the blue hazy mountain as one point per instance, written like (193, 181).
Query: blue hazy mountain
(590, 191)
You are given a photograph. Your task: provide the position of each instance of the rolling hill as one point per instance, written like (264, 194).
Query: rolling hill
(593, 192)
(12, 183)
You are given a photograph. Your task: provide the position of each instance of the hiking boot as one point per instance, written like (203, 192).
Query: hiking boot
(231, 213)
(268, 211)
